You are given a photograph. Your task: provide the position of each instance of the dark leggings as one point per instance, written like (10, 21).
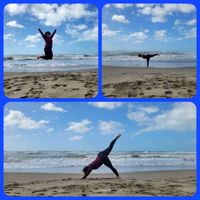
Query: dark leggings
(48, 54)
(104, 157)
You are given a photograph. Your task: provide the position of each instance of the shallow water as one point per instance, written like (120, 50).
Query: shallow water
(29, 63)
(164, 60)
(73, 162)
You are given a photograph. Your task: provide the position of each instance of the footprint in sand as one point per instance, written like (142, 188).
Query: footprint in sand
(89, 94)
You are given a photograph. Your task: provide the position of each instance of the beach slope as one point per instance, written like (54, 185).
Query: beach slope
(77, 84)
(158, 183)
(135, 82)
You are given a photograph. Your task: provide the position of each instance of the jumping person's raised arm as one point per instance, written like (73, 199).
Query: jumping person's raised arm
(53, 33)
(41, 33)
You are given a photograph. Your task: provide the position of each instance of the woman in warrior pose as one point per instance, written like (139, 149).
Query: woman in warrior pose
(102, 158)
(48, 38)
(147, 57)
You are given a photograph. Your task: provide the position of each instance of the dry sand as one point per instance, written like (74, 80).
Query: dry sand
(152, 82)
(160, 183)
(82, 84)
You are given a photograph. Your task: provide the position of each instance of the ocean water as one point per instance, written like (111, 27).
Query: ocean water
(73, 162)
(29, 63)
(164, 60)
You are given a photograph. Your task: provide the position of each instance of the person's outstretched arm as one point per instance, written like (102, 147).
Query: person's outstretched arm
(41, 33)
(53, 33)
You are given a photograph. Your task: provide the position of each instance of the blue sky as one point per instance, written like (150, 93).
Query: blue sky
(76, 26)
(91, 126)
(149, 27)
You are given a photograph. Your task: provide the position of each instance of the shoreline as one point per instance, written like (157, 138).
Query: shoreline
(78, 70)
(75, 84)
(150, 67)
(138, 82)
(154, 183)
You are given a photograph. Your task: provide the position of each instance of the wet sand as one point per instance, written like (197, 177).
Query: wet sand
(158, 183)
(138, 82)
(78, 84)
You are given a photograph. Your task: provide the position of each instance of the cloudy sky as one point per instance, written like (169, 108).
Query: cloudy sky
(149, 27)
(76, 26)
(91, 126)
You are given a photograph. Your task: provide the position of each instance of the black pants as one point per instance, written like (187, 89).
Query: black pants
(103, 155)
(48, 54)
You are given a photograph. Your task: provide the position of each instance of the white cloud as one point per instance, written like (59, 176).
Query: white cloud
(141, 114)
(83, 126)
(58, 39)
(81, 33)
(160, 35)
(148, 109)
(33, 38)
(9, 36)
(120, 18)
(184, 8)
(31, 45)
(188, 34)
(119, 6)
(15, 9)
(106, 105)
(80, 27)
(138, 116)
(52, 14)
(159, 12)
(108, 33)
(191, 33)
(49, 130)
(18, 119)
(76, 138)
(180, 118)
(14, 24)
(136, 37)
(89, 35)
(191, 22)
(52, 107)
(109, 127)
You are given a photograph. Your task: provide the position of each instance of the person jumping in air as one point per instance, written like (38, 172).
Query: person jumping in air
(48, 38)
(102, 158)
(147, 57)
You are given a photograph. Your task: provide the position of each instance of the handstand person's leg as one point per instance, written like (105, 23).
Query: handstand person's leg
(152, 55)
(148, 59)
(109, 149)
(43, 57)
(108, 163)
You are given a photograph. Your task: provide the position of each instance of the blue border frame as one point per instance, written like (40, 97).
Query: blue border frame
(99, 3)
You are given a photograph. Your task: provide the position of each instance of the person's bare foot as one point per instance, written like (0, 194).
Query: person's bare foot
(118, 135)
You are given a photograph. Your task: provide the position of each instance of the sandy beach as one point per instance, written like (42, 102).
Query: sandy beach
(77, 84)
(152, 82)
(159, 183)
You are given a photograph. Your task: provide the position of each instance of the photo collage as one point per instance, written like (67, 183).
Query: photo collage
(99, 99)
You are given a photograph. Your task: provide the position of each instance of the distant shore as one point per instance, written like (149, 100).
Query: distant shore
(76, 84)
(137, 82)
(156, 183)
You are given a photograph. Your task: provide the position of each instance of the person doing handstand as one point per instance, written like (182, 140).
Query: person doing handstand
(102, 158)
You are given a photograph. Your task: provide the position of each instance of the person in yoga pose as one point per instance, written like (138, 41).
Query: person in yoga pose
(147, 57)
(102, 158)
(48, 38)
